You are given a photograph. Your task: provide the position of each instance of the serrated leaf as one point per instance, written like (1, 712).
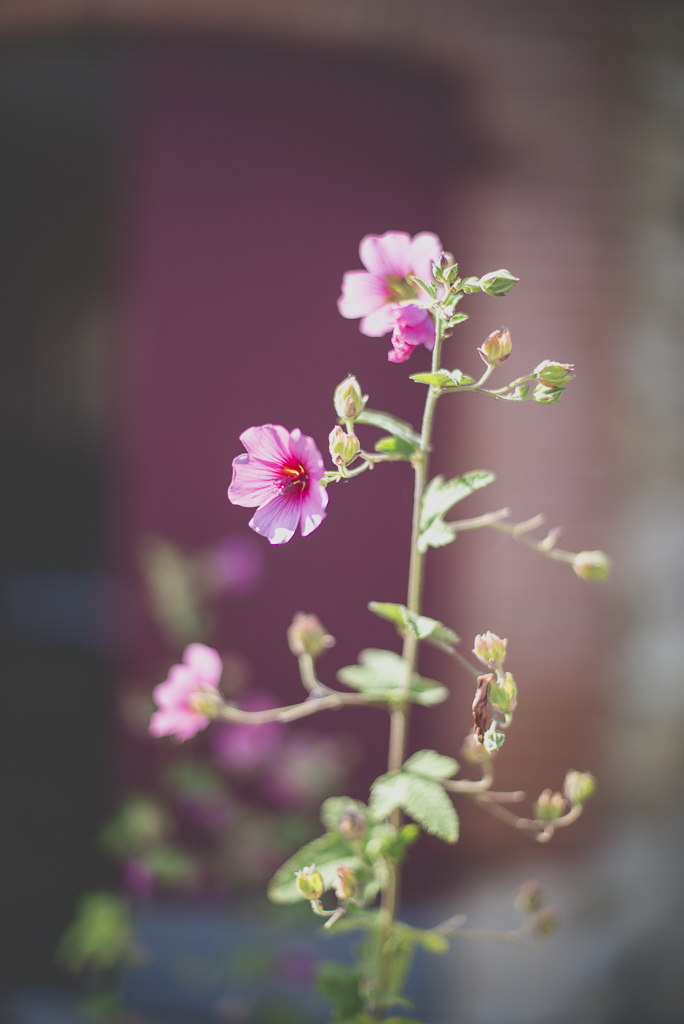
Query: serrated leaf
(441, 495)
(431, 765)
(422, 799)
(334, 807)
(457, 318)
(427, 692)
(429, 289)
(437, 535)
(421, 626)
(438, 380)
(396, 446)
(377, 670)
(427, 803)
(385, 421)
(493, 739)
(326, 853)
(461, 379)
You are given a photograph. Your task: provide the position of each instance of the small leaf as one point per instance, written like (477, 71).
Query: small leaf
(434, 942)
(431, 765)
(437, 535)
(326, 853)
(394, 426)
(377, 671)
(396, 446)
(429, 289)
(334, 807)
(470, 284)
(461, 379)
(427, 692)
(457, 318)
(441, 495)
(438, 380)
(493, 739)
(387, 793)
(420, 625)
(427, 803)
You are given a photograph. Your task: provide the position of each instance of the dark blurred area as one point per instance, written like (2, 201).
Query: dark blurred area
(182, 186)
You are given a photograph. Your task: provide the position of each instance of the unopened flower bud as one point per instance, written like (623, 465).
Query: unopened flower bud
(545, 923)
(349, 401)
(529, 897)
(496, 348)
(503, 694)
(310, 883)
(592, 566)
(344, 447)
(473, 750)
(352, 823)
(499, 282)
(549, 806)
(307, 635)
(547, 394)
(551, 372)
(481, 705)
(490, 647)
(579, 786)
(443, 265)
(346, 885)
(206, 702)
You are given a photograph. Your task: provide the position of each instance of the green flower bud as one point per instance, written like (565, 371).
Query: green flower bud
(499, 282)
(352, 823)
(549, 806)
(307, 635)
(579, 786)
(551, 372)
(310, 883)
(529, 897)
(349, 401)
(545, 923)
(503, 694)
(345, 885)
(496, 348)
(344, 447)
(547, 394)
(592, 566)
(445, 263)
(473, 750)
(490, 647)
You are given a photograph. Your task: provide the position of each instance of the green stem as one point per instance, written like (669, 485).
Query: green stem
(399, 715)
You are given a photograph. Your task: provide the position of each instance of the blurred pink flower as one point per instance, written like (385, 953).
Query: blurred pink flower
(177, 715)
(281, 474)
(373, 294)
(246, 747)
(237, 563)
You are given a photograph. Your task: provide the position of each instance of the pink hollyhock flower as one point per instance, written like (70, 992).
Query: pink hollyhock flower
(182, 693)
(281, 475)
(374, 294)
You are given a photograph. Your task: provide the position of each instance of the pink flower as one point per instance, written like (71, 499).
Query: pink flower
(375, 293)
(177, 697)
(281, 475)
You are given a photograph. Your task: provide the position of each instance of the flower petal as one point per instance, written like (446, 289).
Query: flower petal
(270, 442)
(425, 249)
(254, 482)
(181, 724)
(306, 450)
(312, 511)
(176, 688)
(204, 662)
(378, 323)
(277, 519)
(387, 254)
(361, 293)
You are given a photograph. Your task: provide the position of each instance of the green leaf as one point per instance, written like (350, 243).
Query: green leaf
(377, 670)
(383, 420)
(339, 983)
(422, 799)
(461, 379)
(441, 495)
(431, 765)
(457, 318)
(470, 284)
(326, 853)
(429, 289)
(428, 804)
(493, 739)
(334, 807)
(440, 379)
(427, 692)
(421, 626)
(396, 446)
(437, 535)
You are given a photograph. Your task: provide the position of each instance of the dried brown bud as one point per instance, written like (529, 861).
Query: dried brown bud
(481, 705)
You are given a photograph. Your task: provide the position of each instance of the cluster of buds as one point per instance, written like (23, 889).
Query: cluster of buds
(445, 268)
(496, 348)
(490, 649)
(349, 402)
(578, 786)
(592, 566)
(530, 900)
(551, 378)
(307, 635)
(343, 446)
(550, 806)
(310, 883)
